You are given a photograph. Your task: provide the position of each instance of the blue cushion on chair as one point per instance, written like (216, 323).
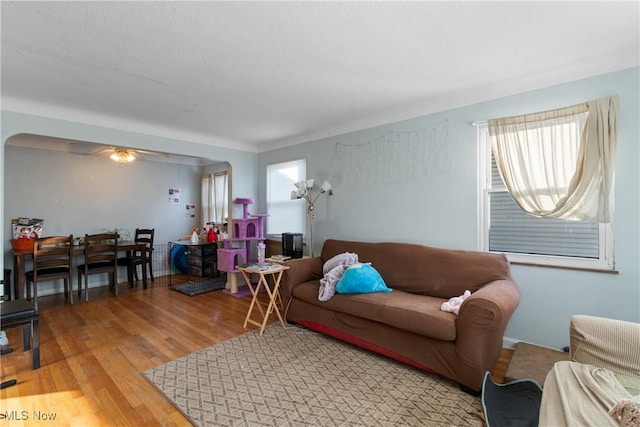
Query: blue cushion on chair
(359, 279)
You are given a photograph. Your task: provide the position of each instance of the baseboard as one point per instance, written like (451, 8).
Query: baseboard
(509, 342)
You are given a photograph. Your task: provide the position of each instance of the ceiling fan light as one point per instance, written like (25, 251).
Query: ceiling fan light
(123, 156)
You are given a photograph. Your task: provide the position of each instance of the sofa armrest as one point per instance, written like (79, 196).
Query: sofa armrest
(300, 270)
(489, 308)
(606, 343)
(480, 326)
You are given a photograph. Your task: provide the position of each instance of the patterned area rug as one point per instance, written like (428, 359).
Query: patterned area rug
(295, 377)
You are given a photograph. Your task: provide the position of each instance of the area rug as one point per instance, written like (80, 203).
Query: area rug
(294, 377)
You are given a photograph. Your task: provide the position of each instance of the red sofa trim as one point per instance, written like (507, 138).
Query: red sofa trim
(364, 344)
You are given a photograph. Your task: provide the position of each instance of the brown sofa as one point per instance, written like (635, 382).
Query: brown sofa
(408, 324)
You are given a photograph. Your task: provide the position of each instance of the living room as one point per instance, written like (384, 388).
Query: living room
(435, 204)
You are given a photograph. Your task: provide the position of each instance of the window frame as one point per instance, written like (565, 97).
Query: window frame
(605, 261)
(298, 203)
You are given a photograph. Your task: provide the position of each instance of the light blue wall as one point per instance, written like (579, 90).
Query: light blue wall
(435, 203)
(30, 176)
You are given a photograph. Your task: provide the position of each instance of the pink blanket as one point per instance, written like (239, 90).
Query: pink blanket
(333, 270)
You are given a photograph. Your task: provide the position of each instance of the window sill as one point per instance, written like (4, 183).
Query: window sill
(565, 267)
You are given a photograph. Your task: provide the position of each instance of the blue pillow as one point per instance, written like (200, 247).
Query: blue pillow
(361, 279)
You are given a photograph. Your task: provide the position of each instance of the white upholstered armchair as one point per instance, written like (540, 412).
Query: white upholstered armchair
(603, 374)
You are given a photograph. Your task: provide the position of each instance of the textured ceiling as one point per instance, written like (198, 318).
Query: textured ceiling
(260, 75)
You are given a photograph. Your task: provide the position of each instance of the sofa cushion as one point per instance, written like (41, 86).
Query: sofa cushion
(361, 279)
(424, 270)
(419, 314)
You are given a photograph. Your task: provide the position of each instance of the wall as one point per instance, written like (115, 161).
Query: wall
(425, 192)
(86, 194)
(58, 182)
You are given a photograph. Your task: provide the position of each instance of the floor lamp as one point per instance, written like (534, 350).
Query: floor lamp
(304, 190)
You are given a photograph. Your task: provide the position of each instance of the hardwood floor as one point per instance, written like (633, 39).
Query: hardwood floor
(92, 355)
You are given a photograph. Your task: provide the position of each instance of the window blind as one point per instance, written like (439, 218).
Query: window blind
(513, 230)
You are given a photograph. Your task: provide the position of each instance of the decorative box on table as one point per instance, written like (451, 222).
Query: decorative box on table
(25, 231)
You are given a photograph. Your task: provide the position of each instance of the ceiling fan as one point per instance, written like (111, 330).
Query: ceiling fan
(87, 148)
(123, 155)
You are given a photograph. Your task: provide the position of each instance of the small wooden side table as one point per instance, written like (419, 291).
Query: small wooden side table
(264, 271)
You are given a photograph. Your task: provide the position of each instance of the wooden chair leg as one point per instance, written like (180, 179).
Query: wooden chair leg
(150, 269)
(26, 336)
(35, 294)
(130, 274)
(35, 330)
(69, 283)
(115, 282)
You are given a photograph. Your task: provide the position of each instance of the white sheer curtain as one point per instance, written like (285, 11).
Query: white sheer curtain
(214, 198)
(220, 199)
(560, 163)
(206, 199)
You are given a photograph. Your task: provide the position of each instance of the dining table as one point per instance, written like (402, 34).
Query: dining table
(22, 255)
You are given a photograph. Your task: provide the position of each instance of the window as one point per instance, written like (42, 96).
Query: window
(504, 227)
(285, 215)
(215, 199)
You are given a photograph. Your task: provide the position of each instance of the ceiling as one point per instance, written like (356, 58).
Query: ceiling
(261, 75)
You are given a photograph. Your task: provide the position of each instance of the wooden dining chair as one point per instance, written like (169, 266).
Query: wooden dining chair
(100, 257)
(52, 258)
(134, 258)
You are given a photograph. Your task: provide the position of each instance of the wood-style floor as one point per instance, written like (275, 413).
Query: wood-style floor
(93, 354)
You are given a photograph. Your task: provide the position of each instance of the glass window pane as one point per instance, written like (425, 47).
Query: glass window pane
(285, 215)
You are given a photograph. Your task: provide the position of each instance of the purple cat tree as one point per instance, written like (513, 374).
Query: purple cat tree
(245, 231)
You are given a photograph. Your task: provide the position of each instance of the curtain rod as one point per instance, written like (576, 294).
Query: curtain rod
(479, 123)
